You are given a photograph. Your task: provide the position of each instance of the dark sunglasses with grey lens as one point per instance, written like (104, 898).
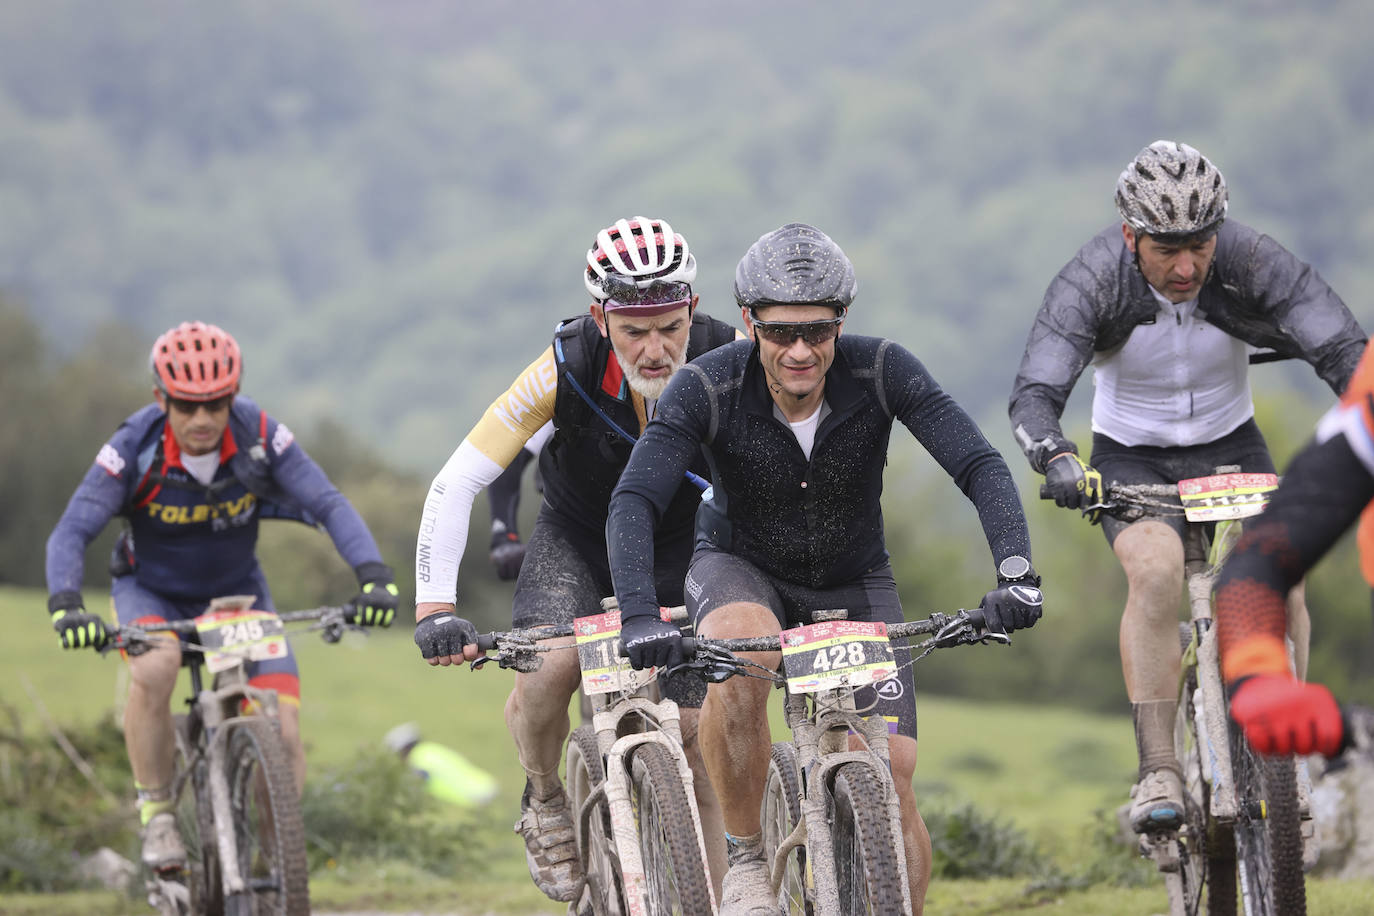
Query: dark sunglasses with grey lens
(813, 333)
(186, 407)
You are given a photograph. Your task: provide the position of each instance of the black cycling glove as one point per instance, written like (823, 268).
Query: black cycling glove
(443, 634)
(378, 597)
(1074, 484)
(75, 628)
(1017, 602)
(651, 641)
(507, 554)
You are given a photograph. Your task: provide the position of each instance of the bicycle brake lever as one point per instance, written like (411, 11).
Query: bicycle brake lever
(525, 661)
(989, 637)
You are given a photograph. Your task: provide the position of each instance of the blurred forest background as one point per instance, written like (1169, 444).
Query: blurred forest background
(388, 203)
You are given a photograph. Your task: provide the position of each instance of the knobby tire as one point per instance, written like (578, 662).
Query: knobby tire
(195, 817)
(1268, 831)
(866, 866)
(268, 829)
(675, 874)
(604, 894)
(780, 814)
(1207, 853)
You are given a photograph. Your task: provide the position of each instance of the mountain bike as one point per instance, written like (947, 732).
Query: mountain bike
(234, 793)
(1243, 827)
(831, 818)
(628, 782)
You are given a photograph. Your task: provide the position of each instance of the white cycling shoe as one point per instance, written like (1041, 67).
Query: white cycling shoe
(746, 890)
(162, 846)
(1157, 802)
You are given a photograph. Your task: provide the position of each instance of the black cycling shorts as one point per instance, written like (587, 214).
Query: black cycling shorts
(1136, 464)
(565, 574)
(717, 578)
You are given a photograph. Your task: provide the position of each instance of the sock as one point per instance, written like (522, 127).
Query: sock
(1154, 735)
(743, 847)
(152, 802)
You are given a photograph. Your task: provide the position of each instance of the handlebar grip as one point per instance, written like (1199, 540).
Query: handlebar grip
(978, 618)
(689, 646)
(486, 642)
(1045, 491)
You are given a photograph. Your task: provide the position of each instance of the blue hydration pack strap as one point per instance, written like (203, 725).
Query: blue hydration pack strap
(697, 480)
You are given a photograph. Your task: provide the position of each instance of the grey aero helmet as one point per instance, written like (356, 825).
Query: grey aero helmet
(797, 264)
(1169, 188)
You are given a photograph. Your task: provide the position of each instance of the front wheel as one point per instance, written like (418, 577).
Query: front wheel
(867, 871)
(1268, 832)
(602, 895)
(780, 815)
(268, 830)
(675, 875)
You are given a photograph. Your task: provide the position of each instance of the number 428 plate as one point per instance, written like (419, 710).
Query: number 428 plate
(836, 653)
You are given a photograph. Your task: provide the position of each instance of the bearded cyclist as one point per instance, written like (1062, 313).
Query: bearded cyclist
(1329, 484)
(603, 368)
(795, 426)
(1166, 307)
(192, 475)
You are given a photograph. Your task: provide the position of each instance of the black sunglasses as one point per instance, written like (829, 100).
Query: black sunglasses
(189, 407)
(782, 333)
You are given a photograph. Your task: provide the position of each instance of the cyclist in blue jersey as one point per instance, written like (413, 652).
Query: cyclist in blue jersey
(191, 475)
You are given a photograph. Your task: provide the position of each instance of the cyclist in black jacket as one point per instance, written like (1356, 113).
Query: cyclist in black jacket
(795, 428)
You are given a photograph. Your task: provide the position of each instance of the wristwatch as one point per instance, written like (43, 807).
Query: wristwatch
(1017, 569)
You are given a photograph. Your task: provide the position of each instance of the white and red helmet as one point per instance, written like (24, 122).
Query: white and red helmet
(641, 265)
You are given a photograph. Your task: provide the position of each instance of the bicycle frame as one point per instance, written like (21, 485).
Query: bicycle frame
(1209, 769)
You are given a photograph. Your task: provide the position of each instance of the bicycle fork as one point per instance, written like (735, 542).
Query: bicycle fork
(617, 786)
(823, 748)
(214, 705)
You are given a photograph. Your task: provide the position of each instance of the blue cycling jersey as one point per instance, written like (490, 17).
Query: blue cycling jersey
(192, 540)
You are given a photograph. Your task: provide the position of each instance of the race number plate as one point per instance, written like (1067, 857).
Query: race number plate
(1223, 496)
(240, 635)
(604, 671)
(835, 653)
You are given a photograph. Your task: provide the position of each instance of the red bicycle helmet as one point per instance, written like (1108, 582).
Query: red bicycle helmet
(195, 361)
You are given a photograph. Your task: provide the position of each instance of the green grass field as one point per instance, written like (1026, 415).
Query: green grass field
(1049, 772)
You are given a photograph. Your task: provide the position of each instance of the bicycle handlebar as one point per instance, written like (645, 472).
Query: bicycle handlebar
(136, 639)
(1130, 501)
(971, 618)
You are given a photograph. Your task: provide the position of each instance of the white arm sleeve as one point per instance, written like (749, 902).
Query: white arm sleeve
(444, 522)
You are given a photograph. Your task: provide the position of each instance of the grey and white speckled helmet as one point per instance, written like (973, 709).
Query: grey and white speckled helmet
(1169, 188)
(796, 264)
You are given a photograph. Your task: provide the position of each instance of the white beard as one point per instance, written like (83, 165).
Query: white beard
(648, 388)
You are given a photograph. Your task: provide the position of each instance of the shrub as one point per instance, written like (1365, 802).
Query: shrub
(374, 808)
(970, 844)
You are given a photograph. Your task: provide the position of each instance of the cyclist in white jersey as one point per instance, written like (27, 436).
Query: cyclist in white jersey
(1167, 308)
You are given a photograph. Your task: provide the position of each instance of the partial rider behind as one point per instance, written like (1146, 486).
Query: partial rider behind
(603, 370)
